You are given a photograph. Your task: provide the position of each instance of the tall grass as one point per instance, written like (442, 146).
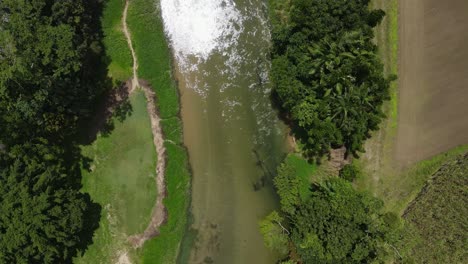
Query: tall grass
(117, 52)
(304, 172)
(155, 59)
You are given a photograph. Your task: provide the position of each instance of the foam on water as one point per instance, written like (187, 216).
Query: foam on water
(221, 46)
(196, 28)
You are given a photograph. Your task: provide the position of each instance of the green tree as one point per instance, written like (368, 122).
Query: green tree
(349, 172)
(44, 217)
(275, 235)
(49, 67)
(326, 73)
(341, 225)
(51, 73)
(287, 186)
(334, 224)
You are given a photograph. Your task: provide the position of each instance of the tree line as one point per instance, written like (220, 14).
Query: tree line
(327, 75)
(330, 85)
(52, 72)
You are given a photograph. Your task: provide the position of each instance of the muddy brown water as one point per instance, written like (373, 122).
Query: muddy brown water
(234, 139)
(226, 203)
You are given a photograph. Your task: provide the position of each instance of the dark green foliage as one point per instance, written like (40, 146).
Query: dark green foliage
(287, 186)
(44, 218)
(341, 225)
(326, 72)
(439, 215)
(349, 172)
(335, 224)
(51, 73)
(49, 66)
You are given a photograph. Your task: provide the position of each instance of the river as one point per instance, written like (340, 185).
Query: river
(233, 135)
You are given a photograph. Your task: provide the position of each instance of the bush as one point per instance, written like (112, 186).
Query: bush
(349, 172)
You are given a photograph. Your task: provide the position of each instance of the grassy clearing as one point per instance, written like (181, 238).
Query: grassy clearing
(121, 181)
(118, 54)
(304, 171)
(154, 58)
(123, 162)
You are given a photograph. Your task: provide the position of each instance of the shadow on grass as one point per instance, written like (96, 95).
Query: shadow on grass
(113, 106)
(107, 103)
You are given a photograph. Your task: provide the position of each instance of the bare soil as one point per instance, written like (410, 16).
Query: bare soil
(433, 79)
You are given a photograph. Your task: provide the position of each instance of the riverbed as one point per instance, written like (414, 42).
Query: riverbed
(233, 135)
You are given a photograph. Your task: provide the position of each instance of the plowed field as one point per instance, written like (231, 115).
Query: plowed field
(433, 78)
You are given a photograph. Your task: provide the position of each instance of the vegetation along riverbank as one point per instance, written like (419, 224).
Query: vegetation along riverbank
(93, 166)
(317, 89)
(330, 83)
(155, 61)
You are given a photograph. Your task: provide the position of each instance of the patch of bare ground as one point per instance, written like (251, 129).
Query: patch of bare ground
(337, 159)
(123, 258)
(433, 79)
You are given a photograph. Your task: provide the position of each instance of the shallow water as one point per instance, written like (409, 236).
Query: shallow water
(234, 138)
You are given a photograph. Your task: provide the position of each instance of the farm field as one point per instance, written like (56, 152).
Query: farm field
(439, 215)
(433, 79)
(425, 116)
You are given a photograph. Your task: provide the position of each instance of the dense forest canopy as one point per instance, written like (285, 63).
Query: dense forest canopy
(42, 219)
(48, 66)
(326, 72)
(51, 73)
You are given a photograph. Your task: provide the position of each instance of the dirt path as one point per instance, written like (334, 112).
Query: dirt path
(377, 159)
(158, 216)
(135, 82)
(433, 79)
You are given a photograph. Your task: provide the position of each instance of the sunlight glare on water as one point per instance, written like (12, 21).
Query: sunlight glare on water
(198, 27)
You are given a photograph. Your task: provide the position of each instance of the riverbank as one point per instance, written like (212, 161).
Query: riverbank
(297, 231)
(159, 215)
(153, 54)
(114, 242)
